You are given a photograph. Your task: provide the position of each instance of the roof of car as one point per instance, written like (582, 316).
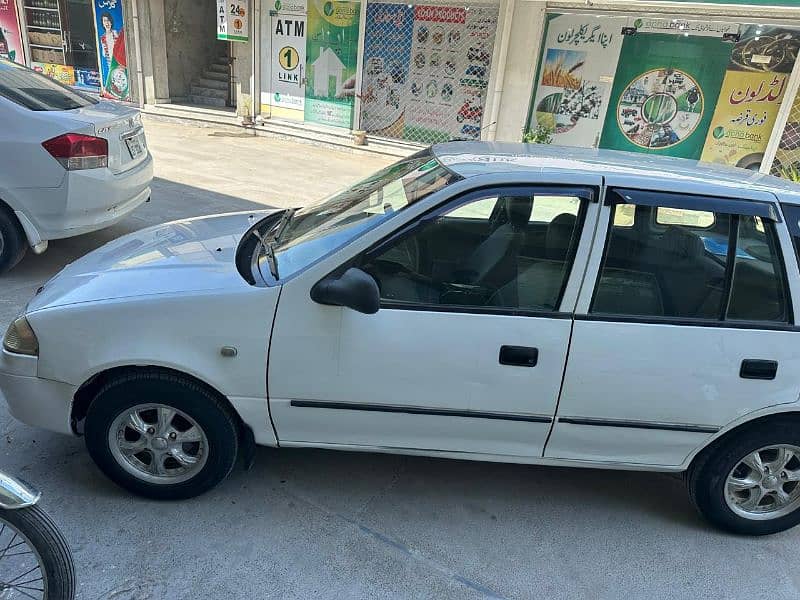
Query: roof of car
(475, 158)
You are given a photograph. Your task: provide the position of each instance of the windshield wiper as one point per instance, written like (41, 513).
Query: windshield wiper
(279, 228)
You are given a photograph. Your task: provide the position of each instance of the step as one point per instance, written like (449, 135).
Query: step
(217, 84)
(197, 90)
(216, 76)
(207, 100)
(219, 68)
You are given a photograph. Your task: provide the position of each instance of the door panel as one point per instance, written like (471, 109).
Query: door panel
(662, 333)
(425, 371)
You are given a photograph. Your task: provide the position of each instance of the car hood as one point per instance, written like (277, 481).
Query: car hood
(178, 257)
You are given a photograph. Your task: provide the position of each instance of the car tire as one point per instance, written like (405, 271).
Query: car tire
(144, 454)
(13, 244)
(723, 485)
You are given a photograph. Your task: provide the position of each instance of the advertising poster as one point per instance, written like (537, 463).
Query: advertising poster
(10, 39)
(751, 96)
(387, 56)
(331, 59)
(664, 93)
(286, 62)
(61, 73)
(577, 71)
(87, 79)
(451, 55)
(233, 21)
(111, 49)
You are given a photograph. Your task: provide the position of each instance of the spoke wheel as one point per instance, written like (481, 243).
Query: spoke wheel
(158, 444)
(21, 567)
(765, 484)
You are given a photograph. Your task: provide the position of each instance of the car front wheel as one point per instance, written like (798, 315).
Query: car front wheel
(12, 241)
(750, 484)
(161, 436)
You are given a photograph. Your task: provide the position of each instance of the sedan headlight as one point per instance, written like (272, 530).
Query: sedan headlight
(21, 339)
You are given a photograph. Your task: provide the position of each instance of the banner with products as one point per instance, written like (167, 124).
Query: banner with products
(286, 61)
(752, 93)
(447, 84)
(61, 73)
(577, 70)
(111, 53)
(10, 38)
(664, 92)
(331, 60)
(387, 56)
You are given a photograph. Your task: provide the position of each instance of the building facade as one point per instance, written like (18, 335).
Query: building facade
(711, 81)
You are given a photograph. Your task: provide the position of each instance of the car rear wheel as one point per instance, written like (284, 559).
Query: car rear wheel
(161, 435)
(12, 241)
(750, 484)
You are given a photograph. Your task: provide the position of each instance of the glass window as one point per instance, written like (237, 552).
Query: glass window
(37, 92)
(498, 258)
(687, 218)
(314, 231)
(681, 272)
(625, 215)
(757, 289)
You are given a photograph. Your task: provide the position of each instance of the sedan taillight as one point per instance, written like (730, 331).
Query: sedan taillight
(76, 151)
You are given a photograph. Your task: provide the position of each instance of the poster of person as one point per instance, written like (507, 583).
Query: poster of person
(578, 64)
(114, 78)
(284, 62)
(662, 94)
(331, 59)
(751, 96)
(10, 38)
(387, 57)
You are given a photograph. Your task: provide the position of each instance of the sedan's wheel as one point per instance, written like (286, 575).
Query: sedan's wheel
(751, 483)
(161, 436)
(12, 242)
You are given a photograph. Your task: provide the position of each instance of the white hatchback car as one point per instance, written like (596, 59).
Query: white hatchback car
(491, 302)
(69, 164)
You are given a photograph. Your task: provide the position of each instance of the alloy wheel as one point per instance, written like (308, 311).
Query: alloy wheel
(765, 484)
(158, 444)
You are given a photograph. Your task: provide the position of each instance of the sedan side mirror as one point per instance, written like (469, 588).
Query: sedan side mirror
(354, 289)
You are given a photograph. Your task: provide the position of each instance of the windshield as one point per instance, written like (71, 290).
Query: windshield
(38, 92)
(315, 231)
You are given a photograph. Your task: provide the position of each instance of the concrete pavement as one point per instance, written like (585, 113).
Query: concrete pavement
(318, 524)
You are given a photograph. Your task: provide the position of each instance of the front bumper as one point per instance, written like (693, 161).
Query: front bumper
(39, 402)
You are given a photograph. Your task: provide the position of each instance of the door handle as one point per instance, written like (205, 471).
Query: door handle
(758, 369)
(519, 356)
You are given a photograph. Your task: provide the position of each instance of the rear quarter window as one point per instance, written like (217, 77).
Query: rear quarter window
(38, 92)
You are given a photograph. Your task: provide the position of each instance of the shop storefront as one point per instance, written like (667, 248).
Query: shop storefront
(707, 89)
(78, 42)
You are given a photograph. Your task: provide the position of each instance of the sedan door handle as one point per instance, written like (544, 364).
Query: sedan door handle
(758, 369)
(519, 356)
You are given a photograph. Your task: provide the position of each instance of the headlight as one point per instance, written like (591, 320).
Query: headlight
(20, 338)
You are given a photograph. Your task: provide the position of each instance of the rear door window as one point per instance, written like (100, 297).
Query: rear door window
(38, 92)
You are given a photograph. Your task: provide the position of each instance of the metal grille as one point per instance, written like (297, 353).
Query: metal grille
(426, 70)
(787, 158)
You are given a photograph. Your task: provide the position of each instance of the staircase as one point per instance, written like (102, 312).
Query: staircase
(213, 87)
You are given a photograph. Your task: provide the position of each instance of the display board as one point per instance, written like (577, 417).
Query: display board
(664, 93)
(10, 37)
(752, 93)
(110, 23)
(579, 61)
(233, 21)
(331, 59)
(285, 63)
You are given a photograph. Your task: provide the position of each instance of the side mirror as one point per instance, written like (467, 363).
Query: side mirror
(354, 289)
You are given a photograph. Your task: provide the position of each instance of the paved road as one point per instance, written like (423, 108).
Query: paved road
(317, 524)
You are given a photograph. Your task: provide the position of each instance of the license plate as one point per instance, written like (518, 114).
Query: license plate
(136, 145)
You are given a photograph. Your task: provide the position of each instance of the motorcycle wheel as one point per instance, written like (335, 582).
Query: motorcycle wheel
(35, 561)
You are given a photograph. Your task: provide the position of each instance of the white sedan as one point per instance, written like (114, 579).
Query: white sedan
(476, 301)
(69, 164)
